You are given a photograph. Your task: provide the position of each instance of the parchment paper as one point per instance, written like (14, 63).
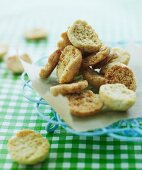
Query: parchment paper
(100, 120)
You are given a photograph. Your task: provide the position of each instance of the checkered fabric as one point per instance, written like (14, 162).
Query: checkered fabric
(67, 151)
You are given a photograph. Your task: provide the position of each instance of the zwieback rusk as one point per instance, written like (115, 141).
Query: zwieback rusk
(69, 64)
(83, 36)
(117, 96)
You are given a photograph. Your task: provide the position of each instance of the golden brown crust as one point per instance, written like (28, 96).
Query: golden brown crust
(51, 64)
(83, 36)
(76, 87)
(117, 56)
(102, 63)
(85, 104)
(64, 42)
(120, 73)
(108, 65)
(26, 132)
(69, 64)
(94, 78)
(96, 58)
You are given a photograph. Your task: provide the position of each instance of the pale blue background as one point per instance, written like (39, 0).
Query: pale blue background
(114, 20)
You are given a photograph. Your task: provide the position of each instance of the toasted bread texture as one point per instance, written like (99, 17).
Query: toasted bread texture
(93, 77)
(76, 87)
(51, 64)
(28, 147)
(69, 64)
(120, 73)
(83, 36)
(96, 58)
(85, 104)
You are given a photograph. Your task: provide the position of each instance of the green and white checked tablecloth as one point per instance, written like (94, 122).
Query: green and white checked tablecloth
(118, 22)
(67, 151)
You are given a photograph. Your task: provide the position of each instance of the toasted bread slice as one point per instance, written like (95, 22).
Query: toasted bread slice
(102, 63)
(76, 87)
(83, 36)
(93, 77)
(51, 64)
(96, 58)
(85, 104)
(117, 96)
(69, 64)
(120, 73)
(28, 147)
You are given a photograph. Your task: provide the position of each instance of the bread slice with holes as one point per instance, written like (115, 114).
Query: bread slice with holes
(83, 36)
(93, 77)
(95, 58)
(69, 64)
(120, 73)
(51, 64)
(28, 147)
(76, 87)
(85, 104)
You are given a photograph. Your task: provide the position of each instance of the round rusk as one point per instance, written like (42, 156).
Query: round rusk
(28, 147)
(95, 58)
(51, 64)
(93, 77)
(83, 36)
(85, 104)
(117, 96)
(76, 87)
(120, 73)
(69, 64)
